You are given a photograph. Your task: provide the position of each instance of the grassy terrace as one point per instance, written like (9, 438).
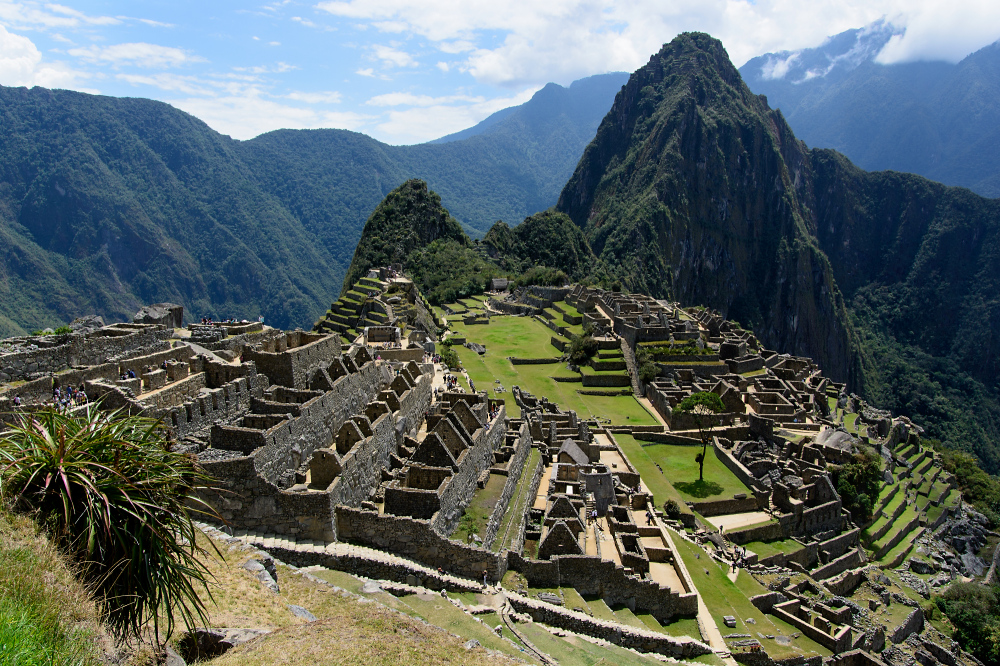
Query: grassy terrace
(681, 469)
(724, 597)
(656, 482)
(524, 337)
(518, 503)
(769, 548)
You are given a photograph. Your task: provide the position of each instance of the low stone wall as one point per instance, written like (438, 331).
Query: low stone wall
(726, 506)
(417, 540)
(592, 575)
(852, 559)
(804, 557)
(903, 530)
(733, 465)
(766, 532)
(415, 354)
(665, 438)
(642, 640)
(515, 468)
(506, 307)
(606, 380)
(844, 584)
(532, 361)
(913, 624)
(837, 546)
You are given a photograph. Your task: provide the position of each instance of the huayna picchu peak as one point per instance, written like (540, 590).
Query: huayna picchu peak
(508, 448)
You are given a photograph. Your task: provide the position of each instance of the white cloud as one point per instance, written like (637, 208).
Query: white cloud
(21, 65)
(443, 66)
(367, 71)
(189, 85)
(249, 114)
(430, 118)
(316, 97)
(393, 57)
(156, 24)
(524, 41)
(274, 43)
(776, 68)
(277, 68)
(942, 31)
(139, 54)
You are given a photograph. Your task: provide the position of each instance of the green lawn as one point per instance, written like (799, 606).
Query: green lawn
(537, 379)
(723, 597)
(523, 337)
(678, 463)
(769, 548)
(654, 480)
(476, 516)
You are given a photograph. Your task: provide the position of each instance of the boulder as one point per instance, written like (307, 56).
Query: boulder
(86, 324)
(208, 643)
(920, 566)
(164, 314)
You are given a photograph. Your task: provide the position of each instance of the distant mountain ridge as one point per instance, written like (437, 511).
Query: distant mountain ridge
(935, 119)
(107, 203)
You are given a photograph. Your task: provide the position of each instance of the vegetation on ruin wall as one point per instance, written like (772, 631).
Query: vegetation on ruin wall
(859, 482)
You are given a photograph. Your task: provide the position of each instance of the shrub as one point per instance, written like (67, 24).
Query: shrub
(859, 483)
(581, 348)
(116, 498)
(450, 358)
(672, 509)
(974, 610)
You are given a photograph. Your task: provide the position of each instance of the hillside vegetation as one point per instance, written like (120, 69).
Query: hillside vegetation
(107, 204)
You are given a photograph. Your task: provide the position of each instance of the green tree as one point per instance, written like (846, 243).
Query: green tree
(702, 405)
(114, 496)
(974, 610)
(859, 483)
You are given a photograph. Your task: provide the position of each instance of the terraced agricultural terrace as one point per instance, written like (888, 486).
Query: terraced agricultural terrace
(537, 497)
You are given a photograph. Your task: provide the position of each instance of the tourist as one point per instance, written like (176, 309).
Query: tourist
(17, 401)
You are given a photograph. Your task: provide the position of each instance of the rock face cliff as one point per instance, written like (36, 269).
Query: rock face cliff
(692, 188)
(695, 189)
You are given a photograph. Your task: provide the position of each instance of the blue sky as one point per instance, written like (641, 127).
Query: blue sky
(406, 71)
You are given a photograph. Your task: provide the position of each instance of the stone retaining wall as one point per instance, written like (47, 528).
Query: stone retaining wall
(850, 560)
(726, 506)
(515, 468)
(417, 540)
(592, 575)
(532, 361)
(642, 640)
(913, 624)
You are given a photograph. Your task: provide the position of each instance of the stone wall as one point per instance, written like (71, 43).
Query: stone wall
(515, 468)
(291, 366)
(417, 540)
(415, 354)
(532, 361)
(607, 380)
(592, 575)
(767, 532)
(733, 465)
(852, 559)
(462, 485)
(914, 623)
(726, 506)
(94, 348)
(227, 402)
(837, 546)
(844, 584)
(642, 640)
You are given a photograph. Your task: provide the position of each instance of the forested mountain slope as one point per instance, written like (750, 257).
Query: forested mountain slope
(109, 203)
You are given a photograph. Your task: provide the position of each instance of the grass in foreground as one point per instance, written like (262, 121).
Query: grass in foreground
(46, 615)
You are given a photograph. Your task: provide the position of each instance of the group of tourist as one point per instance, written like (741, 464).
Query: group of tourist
(739, 557)
(66, 399)
(387, 345)
(450, 382)
(208, 321)
(127, 374)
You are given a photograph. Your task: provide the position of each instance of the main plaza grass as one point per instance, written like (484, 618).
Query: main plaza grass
(681, 470)
(524, 337)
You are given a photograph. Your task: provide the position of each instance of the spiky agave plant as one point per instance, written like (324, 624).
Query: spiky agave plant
(114, 496)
